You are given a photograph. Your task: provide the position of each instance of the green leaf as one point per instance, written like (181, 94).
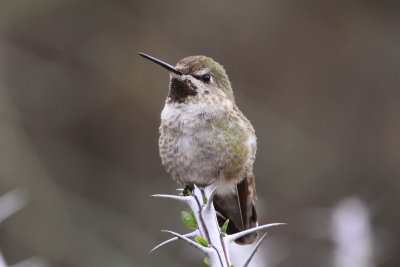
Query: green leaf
(189, 219)
(205, 199)
(225, 226)
(201, 241)
(206, 262)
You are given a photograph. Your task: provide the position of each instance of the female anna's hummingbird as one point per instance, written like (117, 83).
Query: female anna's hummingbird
(205, 138)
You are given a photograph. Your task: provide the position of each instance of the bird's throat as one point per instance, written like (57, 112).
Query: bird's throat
(180, 90)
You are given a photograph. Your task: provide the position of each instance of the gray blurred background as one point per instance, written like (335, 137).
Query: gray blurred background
(79, 116)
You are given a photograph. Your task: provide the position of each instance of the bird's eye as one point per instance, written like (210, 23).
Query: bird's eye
(206, 78)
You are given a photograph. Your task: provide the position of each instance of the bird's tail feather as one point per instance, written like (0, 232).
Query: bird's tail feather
(239, 209)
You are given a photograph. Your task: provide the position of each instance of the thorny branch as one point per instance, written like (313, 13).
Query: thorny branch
(209, 238)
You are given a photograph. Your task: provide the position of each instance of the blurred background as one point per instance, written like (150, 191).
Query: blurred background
(80, 110)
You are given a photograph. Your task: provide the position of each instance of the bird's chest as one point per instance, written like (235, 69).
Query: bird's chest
(201, 143)
(188, 143)
(187, 132)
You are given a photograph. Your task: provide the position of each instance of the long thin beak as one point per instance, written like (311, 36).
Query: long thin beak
(161, 63)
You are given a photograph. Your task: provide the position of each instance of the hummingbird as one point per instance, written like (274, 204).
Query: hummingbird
(205, 139)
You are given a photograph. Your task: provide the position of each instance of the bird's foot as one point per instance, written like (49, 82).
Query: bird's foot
(188, 190)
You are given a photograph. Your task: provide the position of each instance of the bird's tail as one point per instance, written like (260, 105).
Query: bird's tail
(239, 208)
